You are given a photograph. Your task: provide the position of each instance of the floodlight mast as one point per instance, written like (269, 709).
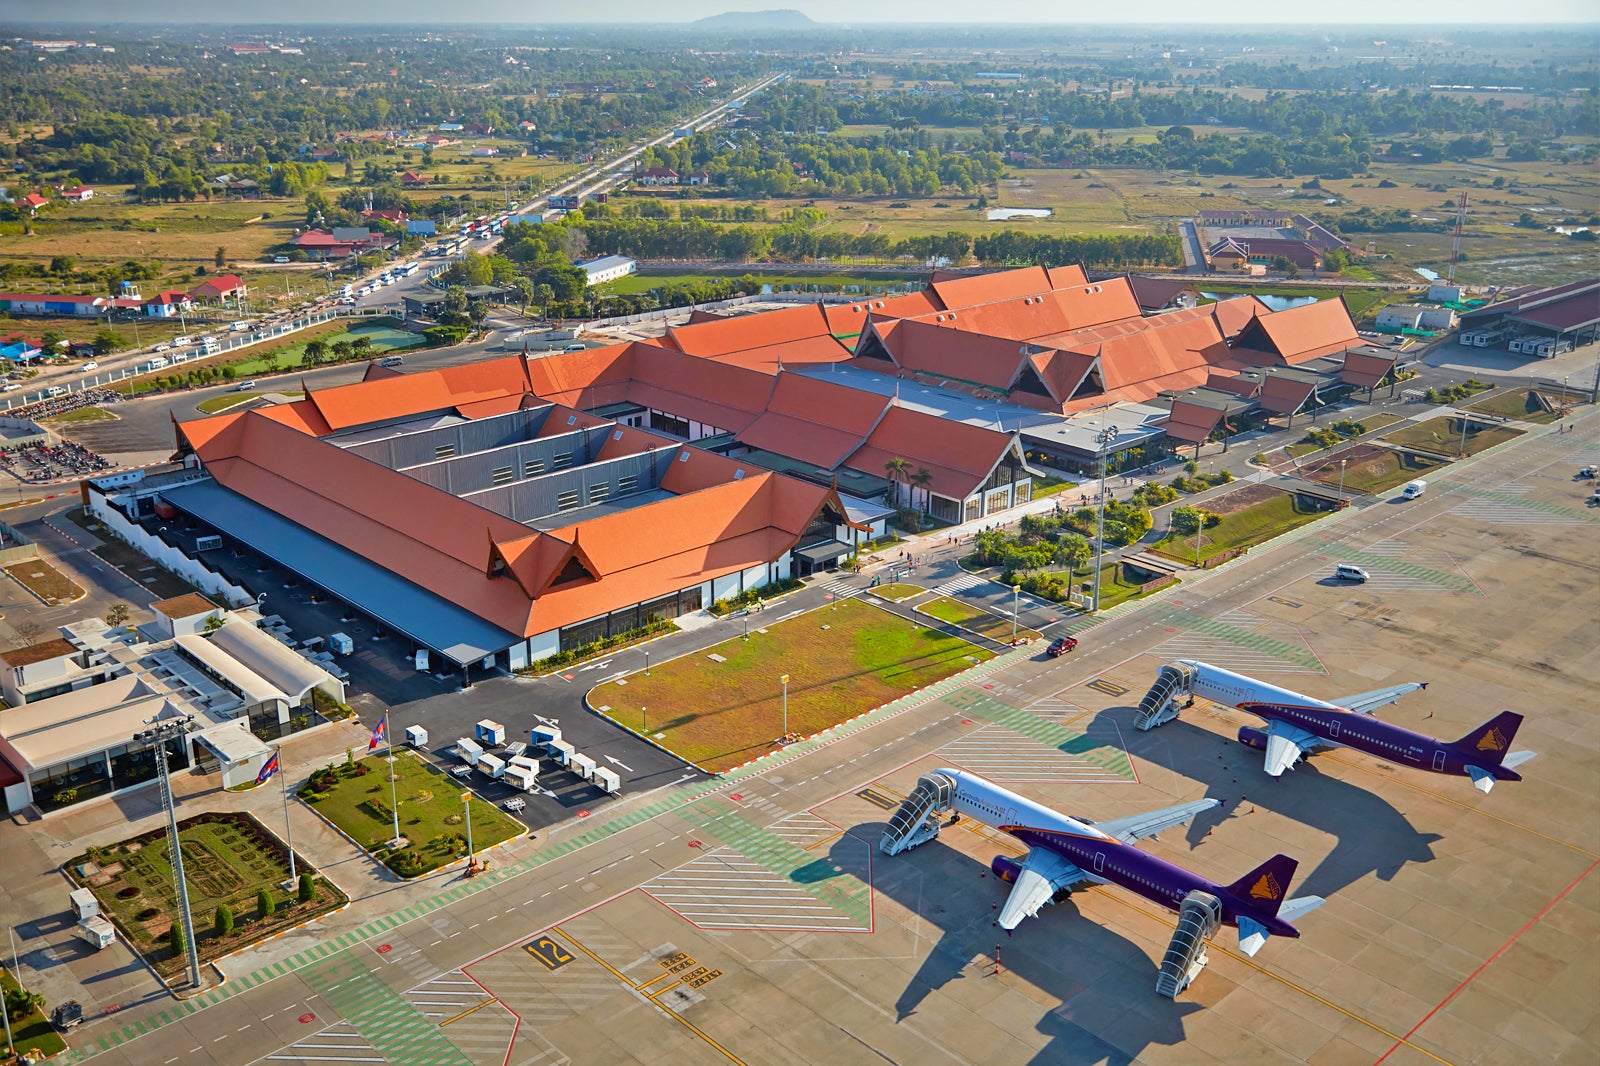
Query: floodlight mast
(170, 725)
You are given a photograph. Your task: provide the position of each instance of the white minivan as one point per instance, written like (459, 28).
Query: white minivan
(179, 342)
(1346, 572)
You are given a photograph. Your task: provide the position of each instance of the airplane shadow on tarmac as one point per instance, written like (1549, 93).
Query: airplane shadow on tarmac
(1370, 836)
(1105, 983)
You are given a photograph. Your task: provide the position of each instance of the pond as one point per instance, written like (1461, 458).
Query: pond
(1274, 303)
(1002, 214)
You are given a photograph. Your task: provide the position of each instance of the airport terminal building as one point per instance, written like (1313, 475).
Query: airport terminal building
(499, 512)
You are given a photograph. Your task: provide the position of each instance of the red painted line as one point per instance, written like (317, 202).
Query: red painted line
(1548, 907)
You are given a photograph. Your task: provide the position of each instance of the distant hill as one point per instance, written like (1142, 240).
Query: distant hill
(780, 19)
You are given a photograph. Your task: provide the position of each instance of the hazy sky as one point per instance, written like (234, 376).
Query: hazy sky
(1166, 12)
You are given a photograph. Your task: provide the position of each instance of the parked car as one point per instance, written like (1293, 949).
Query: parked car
(1061, 645)
(90, 365)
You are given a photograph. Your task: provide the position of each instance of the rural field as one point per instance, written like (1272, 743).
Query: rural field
(724, 706)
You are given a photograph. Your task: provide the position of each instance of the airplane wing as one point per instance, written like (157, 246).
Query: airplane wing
(1043, 875)
(1367, 702)
(1285, 746)
(1138, 826)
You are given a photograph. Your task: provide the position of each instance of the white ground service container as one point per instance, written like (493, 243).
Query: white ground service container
(470, 753)
(543, 735)
(581, 765)
(562, 752)
(523, 762)
(97, 931)
(491, 765)
(416, 736)
(521, 778)
(513, 749)
(608, 780)
(489, 733)
(341, 643)
(84, 904)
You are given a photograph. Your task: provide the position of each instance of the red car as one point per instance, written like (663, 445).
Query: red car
(1060, 646)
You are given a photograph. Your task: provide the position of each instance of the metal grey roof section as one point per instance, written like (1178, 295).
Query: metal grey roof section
(453, 632)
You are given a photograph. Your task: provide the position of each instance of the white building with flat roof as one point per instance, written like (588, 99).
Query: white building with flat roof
(97, 686)
(608, 268)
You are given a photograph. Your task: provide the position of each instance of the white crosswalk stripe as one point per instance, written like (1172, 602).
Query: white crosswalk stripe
(958, 584)
(340, 1042)
(1228, 655)
(997, 752)
(1511, 513)
(841, 589)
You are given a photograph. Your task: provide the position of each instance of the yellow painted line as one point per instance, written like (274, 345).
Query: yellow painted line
(653, 980)
(1345, 761)
(1161, 918)
(663, 991)
(469, 1010)
(686, 1023)
(829, 839)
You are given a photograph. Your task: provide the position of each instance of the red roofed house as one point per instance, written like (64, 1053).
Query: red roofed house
(78, 195)
(33, 201)
(388, 214)
(168, 304)
(413, 179)
(219, 288)
(658, 176)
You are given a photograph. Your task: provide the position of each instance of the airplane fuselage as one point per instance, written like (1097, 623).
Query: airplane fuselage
(1336, 725)
(1099, 856)
(1384, 740)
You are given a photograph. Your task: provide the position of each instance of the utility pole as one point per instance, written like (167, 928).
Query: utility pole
(1102, 440)
(164, 727)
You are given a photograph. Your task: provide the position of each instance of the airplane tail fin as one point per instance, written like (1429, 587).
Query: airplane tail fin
(1265, 887)
(1490, 742)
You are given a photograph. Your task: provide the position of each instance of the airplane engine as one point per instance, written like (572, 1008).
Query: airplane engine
(1006, 869)
(1253, 738)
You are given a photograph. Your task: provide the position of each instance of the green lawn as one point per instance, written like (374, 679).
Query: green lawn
(842, 660)
(33, 1031)
(86, 414)
(1050, 486)
(896, 593)
(1519, 404)
(1374, 469)
(430, 812)
(1443, 435)
(227, 859)
(1115, 587)
(976, 619)
(1241, 529)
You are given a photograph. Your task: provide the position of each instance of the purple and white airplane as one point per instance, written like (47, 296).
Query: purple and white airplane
(1065, 853)
(1299, 726)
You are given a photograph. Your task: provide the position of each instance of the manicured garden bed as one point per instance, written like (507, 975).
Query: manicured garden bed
(1370, 469)
(228, 858)
(1244, 528)
(355, 797)
(975, 619)
(842, 660)
(1443, 436)
(45, 581)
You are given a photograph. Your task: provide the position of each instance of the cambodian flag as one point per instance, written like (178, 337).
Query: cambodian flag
(380, 733)
(268, 768)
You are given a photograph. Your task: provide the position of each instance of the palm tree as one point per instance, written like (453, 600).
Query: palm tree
(922, 479)
(897, 469)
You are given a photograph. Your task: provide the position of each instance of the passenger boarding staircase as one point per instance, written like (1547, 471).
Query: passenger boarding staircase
(917, 820)
(1199, 918)
(1160, 704)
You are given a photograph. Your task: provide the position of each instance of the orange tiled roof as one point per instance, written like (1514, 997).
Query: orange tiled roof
(815, 421)
(846, 320)
(802, 351)
(744, 332)
(1302, 333)
(929, 349)
(959, 456)
(1233, 315)
(344, 406)
(964, 291)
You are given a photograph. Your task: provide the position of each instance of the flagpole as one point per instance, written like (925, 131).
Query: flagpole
(288, 830)
(394, 804)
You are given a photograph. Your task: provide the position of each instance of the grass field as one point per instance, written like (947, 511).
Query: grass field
(227, 859)
(1443, 436)
(974, 619)
(1519, 404)
(1115, 585)
(287, 356)
(841, 660)
(45, 581)
(1244, 528)
(896, 593)
(32, 1031)
(85, 414)
(1372, 469)
(430, 812)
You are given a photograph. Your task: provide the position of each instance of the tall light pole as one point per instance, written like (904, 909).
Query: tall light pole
(1016, 590)
(785, 680)
(171, 725)
(288, 830)
(466, 805)
(394, 803)
(1102, 440)
(1342, 463)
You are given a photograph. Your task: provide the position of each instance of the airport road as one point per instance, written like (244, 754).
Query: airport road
(754, 920)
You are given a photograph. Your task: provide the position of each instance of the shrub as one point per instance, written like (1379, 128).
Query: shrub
(149, 913)
(264, 905)
(222, 922)
(128, 893)
(308, 888)
(175, 943)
